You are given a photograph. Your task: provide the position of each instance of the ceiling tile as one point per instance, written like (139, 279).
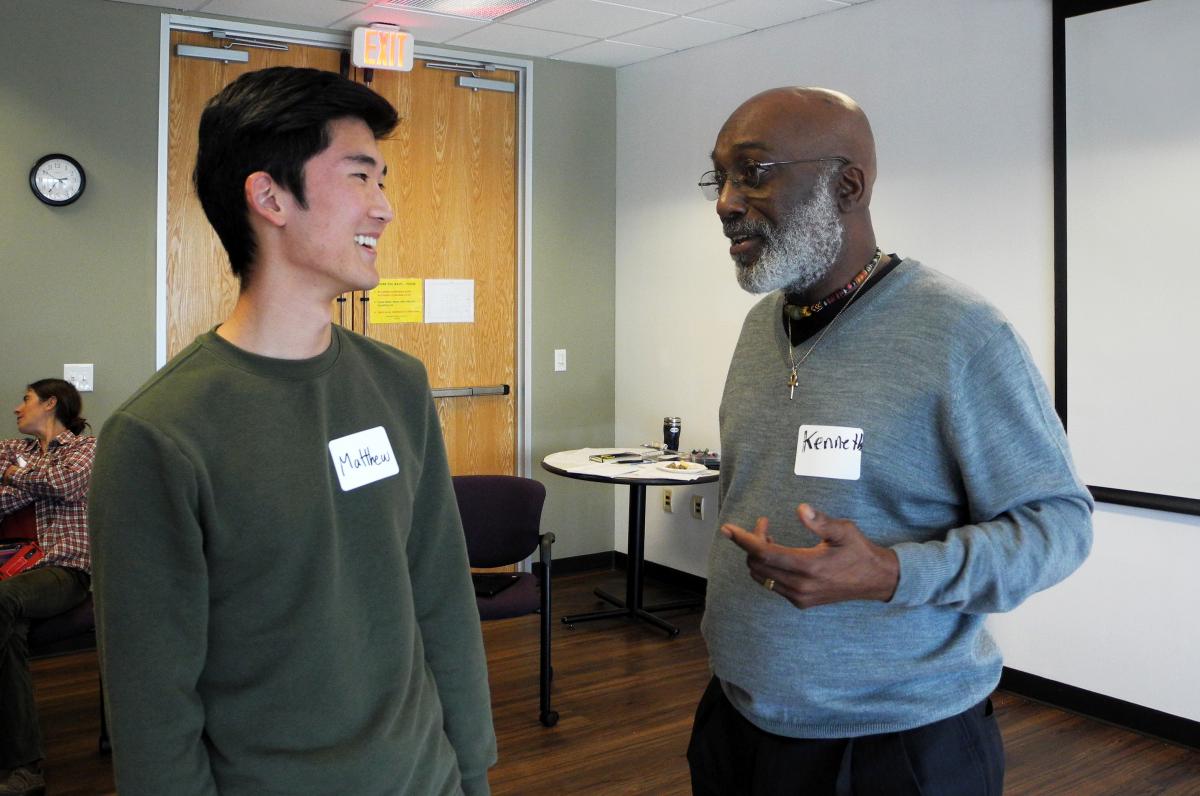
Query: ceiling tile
(592, 18)
(316, 13)
(182, 5)
(610, 53)
(765, 13)
(667, 6)
(519, 40)
(487, 10)
(431, 28)
(605, 32)
(681, 33)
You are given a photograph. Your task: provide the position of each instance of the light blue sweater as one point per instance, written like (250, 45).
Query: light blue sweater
(965, 473)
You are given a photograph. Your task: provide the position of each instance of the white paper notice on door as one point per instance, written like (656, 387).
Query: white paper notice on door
(449, 301)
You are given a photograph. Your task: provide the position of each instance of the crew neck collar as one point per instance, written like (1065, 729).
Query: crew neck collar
(273, 367)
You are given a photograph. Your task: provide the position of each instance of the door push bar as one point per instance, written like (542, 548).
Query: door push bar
(470, 392)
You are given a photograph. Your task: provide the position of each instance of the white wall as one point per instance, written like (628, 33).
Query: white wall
(959, 94)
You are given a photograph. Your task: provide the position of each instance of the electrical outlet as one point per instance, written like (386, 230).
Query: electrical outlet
(667, 501)
(81, 376)
(698, 506)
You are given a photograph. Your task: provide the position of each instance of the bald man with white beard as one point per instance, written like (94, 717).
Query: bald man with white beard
(893, 471)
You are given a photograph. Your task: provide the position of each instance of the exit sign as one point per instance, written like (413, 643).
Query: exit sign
(377, 48)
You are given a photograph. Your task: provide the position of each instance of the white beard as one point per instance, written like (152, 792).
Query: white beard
(800, 250)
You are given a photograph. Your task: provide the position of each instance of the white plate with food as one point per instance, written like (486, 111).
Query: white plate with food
(682, 467)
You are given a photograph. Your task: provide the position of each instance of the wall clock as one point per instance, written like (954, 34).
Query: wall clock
(57, 179)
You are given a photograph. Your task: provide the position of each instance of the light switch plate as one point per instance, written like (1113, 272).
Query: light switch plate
(560, 359)
(81, 376)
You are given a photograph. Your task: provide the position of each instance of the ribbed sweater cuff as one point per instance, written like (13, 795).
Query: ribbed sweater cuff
(921, 574)
(476, 786)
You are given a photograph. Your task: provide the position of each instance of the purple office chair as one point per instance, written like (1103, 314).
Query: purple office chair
(501, 515)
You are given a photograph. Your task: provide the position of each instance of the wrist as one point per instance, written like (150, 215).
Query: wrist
(889, 577)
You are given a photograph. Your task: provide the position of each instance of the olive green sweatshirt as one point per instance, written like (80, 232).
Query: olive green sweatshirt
(283, 598)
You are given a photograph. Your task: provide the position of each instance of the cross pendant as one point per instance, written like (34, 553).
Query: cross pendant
(792, 382)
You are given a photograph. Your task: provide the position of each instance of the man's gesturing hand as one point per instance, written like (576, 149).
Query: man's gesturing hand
(845, 565)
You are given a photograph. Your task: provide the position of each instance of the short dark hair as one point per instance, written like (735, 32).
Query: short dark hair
(69, 405)
(273, 120)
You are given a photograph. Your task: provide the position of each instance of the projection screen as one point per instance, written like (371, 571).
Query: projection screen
(1127, 171)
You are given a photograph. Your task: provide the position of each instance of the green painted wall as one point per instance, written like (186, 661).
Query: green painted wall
(77, 284)
(574, 287)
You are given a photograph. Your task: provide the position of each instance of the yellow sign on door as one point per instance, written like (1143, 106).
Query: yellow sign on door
(397, 301)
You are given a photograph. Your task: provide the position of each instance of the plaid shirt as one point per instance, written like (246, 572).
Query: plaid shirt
(56, 482)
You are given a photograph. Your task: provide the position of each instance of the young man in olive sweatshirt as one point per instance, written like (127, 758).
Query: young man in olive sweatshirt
(284, 602)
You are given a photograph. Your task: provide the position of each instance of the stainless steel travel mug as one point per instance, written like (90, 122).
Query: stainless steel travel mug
(671, 426)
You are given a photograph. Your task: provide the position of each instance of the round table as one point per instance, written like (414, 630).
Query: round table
(632, 607)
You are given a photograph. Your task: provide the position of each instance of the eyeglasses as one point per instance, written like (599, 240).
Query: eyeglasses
(750, 175)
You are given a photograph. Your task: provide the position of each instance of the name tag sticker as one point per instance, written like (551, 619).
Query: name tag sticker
(829, 452)
(363, 458)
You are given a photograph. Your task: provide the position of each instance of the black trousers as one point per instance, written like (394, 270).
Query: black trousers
(729, 756)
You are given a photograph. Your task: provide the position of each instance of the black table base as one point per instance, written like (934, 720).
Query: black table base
(631, 607)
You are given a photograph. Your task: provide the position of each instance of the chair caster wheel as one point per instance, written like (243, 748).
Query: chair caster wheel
(550, 718)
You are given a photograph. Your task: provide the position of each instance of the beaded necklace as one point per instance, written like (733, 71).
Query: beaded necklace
(798, 312)
(853, 286)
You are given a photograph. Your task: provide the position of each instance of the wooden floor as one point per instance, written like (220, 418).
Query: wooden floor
(626, 694)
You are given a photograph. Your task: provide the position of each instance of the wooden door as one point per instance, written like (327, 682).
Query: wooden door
(201, 290)
(452, 182)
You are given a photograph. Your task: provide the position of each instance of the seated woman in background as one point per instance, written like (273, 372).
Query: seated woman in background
(50, 470)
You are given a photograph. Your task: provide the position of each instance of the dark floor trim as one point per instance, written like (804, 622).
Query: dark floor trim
(614, 560)
(1174, 729)
(85, 641)
(1075, 8)
(675, 578)
(1148, 721)
(572, 565)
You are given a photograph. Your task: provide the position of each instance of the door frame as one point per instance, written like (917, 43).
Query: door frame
(339, 40)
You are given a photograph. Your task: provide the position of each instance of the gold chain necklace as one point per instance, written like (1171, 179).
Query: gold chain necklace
(793, 378)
